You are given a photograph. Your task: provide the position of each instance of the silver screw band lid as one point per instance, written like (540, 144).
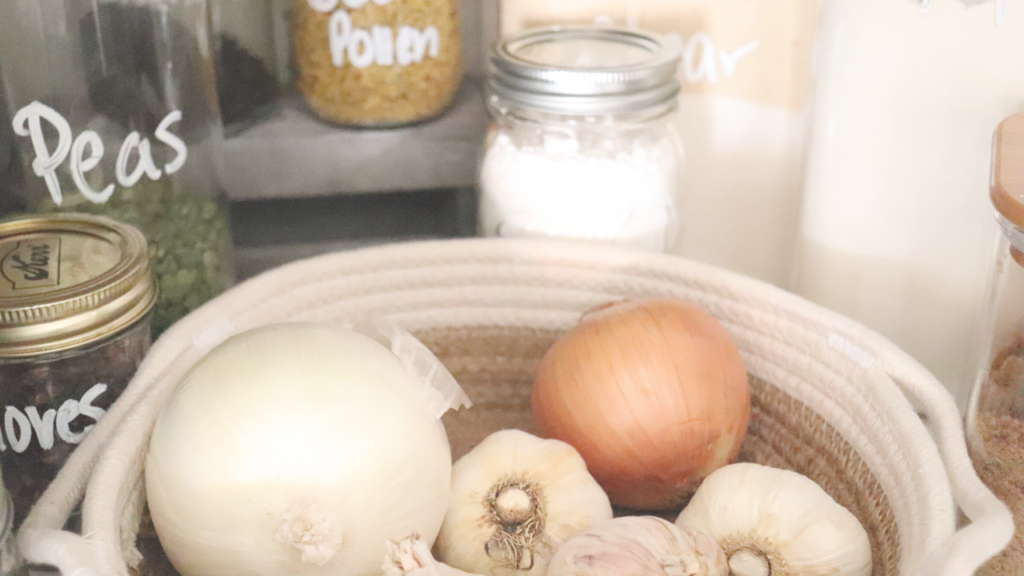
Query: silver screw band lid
(585, 70)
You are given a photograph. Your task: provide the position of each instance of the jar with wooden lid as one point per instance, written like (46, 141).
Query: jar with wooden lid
(995, 414)
(377, 63)
(76, 298)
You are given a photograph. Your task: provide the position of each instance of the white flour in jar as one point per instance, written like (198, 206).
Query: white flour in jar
(558, 189)
(745, 69)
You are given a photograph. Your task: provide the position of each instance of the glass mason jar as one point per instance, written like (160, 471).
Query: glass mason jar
(10, 168)
(250, 44)
(746, 66)
(377, 64)
(582, 144)
(114, 109)
(76, 300)
(995, 414)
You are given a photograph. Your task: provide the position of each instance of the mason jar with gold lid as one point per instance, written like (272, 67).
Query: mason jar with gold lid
(76, 296)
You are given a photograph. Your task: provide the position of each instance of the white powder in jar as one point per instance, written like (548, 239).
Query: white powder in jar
(561, 189)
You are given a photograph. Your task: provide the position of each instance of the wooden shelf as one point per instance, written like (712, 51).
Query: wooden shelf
(268, 233)
(292, 154)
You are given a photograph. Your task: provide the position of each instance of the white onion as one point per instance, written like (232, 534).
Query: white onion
(299, 450)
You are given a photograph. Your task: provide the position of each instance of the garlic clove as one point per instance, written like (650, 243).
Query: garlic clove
(411, 557)
(515, 499)
(773, 522)
(639, 545)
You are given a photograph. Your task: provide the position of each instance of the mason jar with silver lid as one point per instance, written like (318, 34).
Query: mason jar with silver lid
(581, 144)
(76, 298)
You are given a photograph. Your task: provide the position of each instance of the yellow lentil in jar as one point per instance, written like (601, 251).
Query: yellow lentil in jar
(379, 62)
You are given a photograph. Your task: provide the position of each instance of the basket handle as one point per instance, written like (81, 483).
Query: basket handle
(991, 524)
(66, 551)
(40, 539)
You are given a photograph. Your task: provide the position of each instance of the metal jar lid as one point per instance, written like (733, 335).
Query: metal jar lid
(585, 70)
(69, 279)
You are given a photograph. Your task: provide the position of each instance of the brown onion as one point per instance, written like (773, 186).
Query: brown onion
(652, 393)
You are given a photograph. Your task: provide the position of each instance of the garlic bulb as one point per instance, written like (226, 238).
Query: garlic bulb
(639, 545)
(411, 557)
(773, 522)
(515, 499)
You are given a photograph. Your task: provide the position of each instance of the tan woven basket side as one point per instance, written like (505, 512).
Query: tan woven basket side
(496, 366)
(786, 434)
(904, 425)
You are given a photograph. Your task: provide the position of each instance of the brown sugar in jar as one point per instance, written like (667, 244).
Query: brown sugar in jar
(76, 299)
(377, 63)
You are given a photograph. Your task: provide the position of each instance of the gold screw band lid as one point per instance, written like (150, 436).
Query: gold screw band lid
(69, 279)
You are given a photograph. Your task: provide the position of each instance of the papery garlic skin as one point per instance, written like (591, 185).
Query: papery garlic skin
(411, 557)
(773, 522)
(515, 499)
(639, 545)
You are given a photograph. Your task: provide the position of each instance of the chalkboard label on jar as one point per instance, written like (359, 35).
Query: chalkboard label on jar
(84, 152)
(24, 426)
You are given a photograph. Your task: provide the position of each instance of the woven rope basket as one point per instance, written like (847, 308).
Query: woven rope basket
(830, 398)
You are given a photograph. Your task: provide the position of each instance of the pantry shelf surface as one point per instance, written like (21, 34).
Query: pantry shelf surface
(291, 154)
(269, 233)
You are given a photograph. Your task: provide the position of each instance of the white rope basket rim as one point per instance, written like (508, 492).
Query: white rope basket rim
(897, 416)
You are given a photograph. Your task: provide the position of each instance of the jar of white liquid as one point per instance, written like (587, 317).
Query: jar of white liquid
(582, 145)
(893, 231)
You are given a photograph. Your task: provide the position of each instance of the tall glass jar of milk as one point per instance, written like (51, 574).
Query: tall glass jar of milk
(893, 232)
(582, 145)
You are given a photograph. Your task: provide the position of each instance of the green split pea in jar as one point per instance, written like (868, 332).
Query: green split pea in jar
(76, 298)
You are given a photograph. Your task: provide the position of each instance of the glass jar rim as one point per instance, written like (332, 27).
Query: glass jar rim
(502, 108)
